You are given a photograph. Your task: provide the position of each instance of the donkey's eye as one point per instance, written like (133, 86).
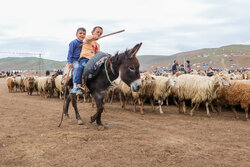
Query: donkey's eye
(131, 68)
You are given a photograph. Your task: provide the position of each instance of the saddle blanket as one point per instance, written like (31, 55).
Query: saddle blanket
(93, 66)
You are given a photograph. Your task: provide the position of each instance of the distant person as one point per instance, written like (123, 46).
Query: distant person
(188, 68)
(210, 72)
(47, 73)
(75, 48)
(182, 68)
(175, 67)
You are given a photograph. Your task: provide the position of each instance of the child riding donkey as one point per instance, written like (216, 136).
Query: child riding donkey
(75, 48)
(89, 48)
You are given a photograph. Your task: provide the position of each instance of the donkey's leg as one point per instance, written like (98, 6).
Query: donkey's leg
(74, 104)
(99, 105)
(66, 106)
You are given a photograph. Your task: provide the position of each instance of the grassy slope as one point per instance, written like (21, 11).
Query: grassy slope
(215, 57)
(28, 63)
(240, 54)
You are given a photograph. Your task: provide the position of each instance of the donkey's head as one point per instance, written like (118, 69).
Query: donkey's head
(129, 68)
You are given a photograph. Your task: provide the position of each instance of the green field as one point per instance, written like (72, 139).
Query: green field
(222, 57)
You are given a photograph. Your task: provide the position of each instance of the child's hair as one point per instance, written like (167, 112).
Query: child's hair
(96, 28)
(81, 29)
(188, 61)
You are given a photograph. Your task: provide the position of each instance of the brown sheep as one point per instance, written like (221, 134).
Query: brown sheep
(238, 93)
(10, 83)
(29, 84)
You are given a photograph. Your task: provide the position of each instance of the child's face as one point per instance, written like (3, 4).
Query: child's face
(81, 35)
(97, 32)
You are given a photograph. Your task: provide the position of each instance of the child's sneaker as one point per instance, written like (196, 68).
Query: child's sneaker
(79, 91)
(73, 91)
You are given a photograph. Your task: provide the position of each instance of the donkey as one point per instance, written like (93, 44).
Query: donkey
(124, 64)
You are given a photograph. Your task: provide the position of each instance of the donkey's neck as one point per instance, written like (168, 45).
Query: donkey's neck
(113, 67)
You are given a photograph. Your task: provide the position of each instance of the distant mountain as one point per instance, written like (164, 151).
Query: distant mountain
(226, 57)
(29, 63)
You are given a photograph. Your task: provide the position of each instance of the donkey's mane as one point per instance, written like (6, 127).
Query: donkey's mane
(118, 53)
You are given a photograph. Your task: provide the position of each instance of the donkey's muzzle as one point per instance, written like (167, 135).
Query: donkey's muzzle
(136, 85)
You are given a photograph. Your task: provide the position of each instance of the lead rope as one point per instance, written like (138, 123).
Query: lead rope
(111, 82)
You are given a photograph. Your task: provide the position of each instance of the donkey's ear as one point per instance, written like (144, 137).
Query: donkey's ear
(132, 52)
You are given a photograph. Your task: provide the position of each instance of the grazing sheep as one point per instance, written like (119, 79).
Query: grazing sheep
(237, 93)
(198, 89)
(10, 81)
(29, 83)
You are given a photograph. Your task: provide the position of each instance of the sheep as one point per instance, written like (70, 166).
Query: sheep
(59, 86)
(46, 86)
(162, 89)
(154, 88)
(36, 83)
(198, 89)
(19, 83)
(246, 75)
(146, 91)
(29, 83)
(125, 94)
(10, 81)
(237, 93)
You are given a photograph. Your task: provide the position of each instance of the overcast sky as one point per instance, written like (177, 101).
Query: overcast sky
(164, 26)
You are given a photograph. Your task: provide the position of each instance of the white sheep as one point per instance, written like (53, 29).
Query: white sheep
(59, 85)
(198, 89)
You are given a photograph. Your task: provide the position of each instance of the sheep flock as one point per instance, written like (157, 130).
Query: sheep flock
(194, 89)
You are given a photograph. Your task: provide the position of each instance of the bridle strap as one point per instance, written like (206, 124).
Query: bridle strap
(112, 70)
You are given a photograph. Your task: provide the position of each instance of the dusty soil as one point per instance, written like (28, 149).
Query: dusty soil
(29, 136)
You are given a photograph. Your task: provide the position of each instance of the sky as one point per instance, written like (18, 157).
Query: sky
(165, 27)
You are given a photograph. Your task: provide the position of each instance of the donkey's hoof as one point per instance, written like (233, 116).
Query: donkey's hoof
(99, 123)
(80, 122)
(91, 120)
(66, 115)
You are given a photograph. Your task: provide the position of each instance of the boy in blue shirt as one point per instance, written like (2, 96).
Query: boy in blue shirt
(75, 48)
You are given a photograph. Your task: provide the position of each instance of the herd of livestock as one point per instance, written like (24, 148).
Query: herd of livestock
(220, 90)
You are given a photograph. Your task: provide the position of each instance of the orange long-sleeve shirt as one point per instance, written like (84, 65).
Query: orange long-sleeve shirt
(90, 47)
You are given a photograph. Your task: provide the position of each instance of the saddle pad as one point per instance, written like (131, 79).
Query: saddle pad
(67, 74)
(92, 68)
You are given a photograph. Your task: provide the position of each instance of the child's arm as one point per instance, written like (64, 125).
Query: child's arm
(90, 38)
(70, 53)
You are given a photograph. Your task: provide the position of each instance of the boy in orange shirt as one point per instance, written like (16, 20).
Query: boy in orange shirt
(89, 48)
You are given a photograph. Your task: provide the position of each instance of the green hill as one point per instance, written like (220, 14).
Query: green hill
(229, 57)
(29, 63)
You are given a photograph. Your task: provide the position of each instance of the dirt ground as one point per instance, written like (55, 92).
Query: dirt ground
(29, 136)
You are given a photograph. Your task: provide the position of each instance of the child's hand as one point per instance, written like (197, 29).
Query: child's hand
(70, 66)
